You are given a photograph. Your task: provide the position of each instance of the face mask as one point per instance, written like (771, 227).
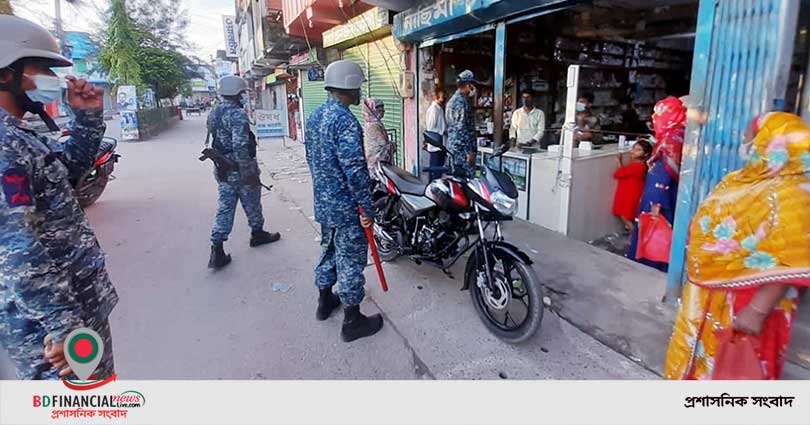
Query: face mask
(580, 107)
(527, 103)
(473, 92)
(245, 99)
(48, 88)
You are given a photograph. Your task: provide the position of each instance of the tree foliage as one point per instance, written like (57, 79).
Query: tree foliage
(166, 20)
(119, 55)
(156, 30)
(5, 7)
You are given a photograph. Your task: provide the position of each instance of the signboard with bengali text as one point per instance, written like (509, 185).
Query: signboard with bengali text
(271, 123)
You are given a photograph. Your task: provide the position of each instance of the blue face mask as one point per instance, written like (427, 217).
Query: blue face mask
(580, 107)
(49, 88)
(245, 99)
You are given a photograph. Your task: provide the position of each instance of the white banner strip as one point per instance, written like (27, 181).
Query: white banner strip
(408, 402)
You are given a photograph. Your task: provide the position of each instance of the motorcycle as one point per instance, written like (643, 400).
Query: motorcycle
(439, 222)
(92, 183)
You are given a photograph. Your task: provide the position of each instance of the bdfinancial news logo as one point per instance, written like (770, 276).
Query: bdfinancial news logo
(84, 349)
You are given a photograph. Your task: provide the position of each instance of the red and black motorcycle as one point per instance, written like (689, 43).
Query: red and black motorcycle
(91, 185)
(438, 222)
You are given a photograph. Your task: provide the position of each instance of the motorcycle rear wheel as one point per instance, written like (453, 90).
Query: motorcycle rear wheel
(523, 283)
(90, 187)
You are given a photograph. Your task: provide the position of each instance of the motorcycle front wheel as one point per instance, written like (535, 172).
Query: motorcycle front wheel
(512, 311)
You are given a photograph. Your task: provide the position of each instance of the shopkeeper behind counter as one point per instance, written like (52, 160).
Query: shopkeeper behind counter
(587, 123)
(528, 123)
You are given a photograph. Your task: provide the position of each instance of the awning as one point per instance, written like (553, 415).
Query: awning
(438, 18)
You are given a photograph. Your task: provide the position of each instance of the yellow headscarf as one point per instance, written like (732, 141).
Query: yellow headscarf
(754, 228)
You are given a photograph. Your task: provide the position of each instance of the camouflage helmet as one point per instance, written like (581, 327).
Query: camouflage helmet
(24, 39)
(232, 85)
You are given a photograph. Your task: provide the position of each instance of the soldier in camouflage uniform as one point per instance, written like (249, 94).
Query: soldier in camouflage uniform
(228, 124)
(461, 125)
(341, 184)
(52, 270)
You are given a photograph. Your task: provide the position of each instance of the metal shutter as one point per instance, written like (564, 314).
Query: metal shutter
(313, 95)
(384, 69)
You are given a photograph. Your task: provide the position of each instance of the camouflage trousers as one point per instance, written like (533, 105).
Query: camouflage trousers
(343, 259)
(23, 339)
(229, 194)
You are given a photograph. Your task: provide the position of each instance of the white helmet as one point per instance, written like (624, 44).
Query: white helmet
(344, 75)
(24, 39)
(232, 85)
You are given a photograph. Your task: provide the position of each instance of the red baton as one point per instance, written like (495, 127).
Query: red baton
(374, 254)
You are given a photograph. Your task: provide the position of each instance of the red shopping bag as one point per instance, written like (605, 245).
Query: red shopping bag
(654, 238)
(736, 358)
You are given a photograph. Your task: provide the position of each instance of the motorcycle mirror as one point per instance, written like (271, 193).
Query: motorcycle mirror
(434, 139)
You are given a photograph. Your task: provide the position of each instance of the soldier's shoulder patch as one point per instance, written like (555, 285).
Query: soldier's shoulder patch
(17, 187)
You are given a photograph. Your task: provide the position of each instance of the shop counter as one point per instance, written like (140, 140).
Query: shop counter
(540, 183)
(592, 191)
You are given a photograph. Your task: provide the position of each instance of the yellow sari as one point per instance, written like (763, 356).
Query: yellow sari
(752, 230)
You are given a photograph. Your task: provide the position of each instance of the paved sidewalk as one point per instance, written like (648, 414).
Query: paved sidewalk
(613, 299)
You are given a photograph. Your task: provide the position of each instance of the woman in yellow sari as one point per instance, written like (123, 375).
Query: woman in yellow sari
(748, 252)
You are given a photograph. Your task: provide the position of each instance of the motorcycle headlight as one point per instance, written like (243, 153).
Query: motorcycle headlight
(504, 204)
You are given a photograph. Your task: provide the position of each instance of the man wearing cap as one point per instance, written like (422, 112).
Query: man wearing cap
(341, 184)
(229, 126)
(461, 125)
(53, 277)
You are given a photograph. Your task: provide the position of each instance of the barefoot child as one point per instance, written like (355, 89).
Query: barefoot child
(630, 183)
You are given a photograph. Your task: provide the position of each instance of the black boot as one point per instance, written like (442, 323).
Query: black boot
(263, 238)
(218, 257)
(356, 325)
(327, 302)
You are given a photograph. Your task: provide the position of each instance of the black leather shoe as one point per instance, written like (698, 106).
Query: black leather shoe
(356, 325)
(327, 303)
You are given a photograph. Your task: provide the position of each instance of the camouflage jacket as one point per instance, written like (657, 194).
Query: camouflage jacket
(229, 126)
(460, 127)
(48, 252)
(340, 179)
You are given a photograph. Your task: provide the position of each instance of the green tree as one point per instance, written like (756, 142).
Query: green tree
(119, 54)
(166, 20)
(161, 69)
(5, 7)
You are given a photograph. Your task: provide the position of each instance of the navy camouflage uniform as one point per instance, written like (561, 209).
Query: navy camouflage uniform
(341, 183)
(460, 131)
(230, 128)
(52, 269)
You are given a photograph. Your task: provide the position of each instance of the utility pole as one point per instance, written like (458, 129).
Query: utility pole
(60, 33)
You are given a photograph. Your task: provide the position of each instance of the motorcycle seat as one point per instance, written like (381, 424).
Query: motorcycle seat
(404, 181)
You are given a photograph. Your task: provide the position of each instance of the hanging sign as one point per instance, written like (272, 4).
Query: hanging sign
(231, 43)
(366, 23)
(271, 123)
(315, 74)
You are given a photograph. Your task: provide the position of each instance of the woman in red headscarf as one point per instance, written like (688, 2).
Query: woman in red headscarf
(661, 186)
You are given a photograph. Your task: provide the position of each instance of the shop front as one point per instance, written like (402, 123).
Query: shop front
(622, 57)
(558, 52)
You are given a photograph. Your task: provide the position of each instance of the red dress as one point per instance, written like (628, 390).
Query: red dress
(629, 190)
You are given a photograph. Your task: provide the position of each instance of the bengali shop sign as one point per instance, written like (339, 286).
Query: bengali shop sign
(271, 123)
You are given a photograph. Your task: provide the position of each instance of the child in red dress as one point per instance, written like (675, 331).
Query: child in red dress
(631, 183)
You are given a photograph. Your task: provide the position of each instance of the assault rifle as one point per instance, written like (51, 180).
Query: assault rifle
(225, 165)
